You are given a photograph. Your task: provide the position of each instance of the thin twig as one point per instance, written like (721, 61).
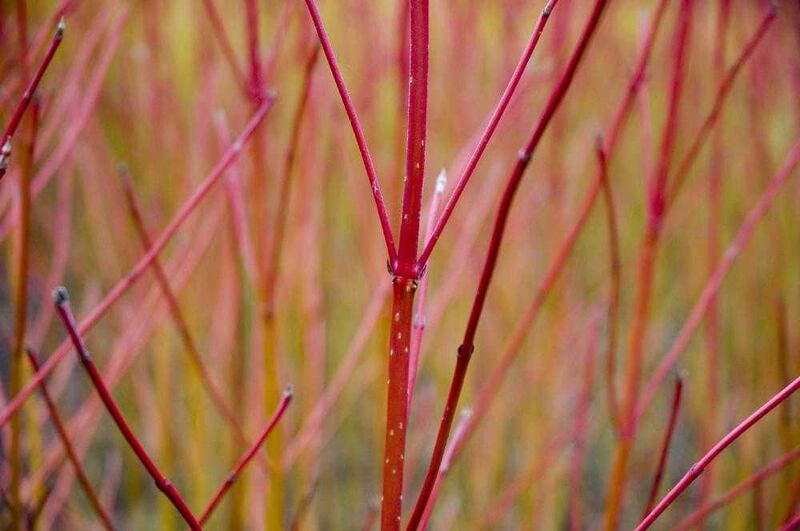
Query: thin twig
(668, 433)
(288, 393)
(491, 126)
(697, 469)
(61, 299)
(467, 345)
(228, 158)
(356, 126)
(72, 456)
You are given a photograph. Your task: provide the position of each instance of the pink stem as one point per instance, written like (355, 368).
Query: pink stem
(715, 281)
(227, 159)
(697, 469)
(248, 456)
(467, 345)
(505, 99)
(361, 140)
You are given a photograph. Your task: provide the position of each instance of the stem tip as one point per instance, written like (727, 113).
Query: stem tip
(60, 296)
(62, 25)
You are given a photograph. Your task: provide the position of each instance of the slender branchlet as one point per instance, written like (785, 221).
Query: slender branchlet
(288, 393)
(61, 300)
(697, 469)
(69, 449)
(757, 478)
(27, 96)
(715, 280)
(665, 444)
(656, 188)
(467, 344)
(176, 313)
(357, 131)
(228, 158)
(491, 126)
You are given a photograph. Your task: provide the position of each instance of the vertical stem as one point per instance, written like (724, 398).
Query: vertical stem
(415, 141)
(657, 197)
(712, 324)
(405, 269)
(20, 282)
(506, 202)
(69, 449)
(668, 433)
(397, 402)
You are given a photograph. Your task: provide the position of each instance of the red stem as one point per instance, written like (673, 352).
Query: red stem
(227, 159)
(505, 99)
(224, 42)
(405, 270)
(361, 140)
(61, 299)
(714, 283)
(178, 318)
(458, 434)
(734, 492)
(397, 402)
(670, 431)
(467, 345)
(614, 288)
(24, 102)
(69, 449)
(406, 265)
(697, 469)
(722, 92)
(248, 456)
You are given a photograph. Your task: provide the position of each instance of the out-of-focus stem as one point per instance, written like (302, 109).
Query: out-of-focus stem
(656, 202)
(668, 433)
(712, 323)
(419, 316)
(228, 158)
(614, 288)
(740, 488)
(697, 469)
(72, 456)
(20, 282)
(711, 119)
